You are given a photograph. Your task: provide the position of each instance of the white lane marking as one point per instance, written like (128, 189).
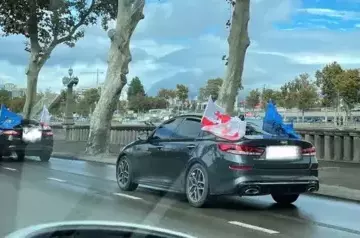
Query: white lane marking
(8, 168)
(56, 179)
(127, 196)
(258, 228)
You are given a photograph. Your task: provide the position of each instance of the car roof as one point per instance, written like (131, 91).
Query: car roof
(198, 115)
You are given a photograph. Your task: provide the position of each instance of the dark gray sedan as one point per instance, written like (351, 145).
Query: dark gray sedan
(178, 156)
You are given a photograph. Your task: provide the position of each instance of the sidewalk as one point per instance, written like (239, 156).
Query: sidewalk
(337, 179)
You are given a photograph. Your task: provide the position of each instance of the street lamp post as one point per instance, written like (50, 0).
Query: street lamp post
(69, 82)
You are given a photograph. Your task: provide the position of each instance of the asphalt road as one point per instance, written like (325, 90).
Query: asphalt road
(34, 192)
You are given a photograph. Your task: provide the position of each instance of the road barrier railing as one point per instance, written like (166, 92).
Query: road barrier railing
(332, 144)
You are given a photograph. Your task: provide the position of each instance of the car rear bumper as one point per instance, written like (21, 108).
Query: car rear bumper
(31, 149)
(256, 188)
(264, 185)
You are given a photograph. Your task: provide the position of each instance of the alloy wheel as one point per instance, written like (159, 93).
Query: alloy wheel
(123, 172)
(196, 185)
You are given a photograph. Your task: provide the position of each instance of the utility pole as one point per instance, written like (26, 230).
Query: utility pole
(97, 72)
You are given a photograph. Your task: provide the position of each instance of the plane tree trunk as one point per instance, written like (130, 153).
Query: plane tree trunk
(130, 12)
(238, 40)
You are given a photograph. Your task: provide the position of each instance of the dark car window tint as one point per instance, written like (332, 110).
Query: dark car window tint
(189, 128)
(253, 129)
(167, 130)
(29, 122)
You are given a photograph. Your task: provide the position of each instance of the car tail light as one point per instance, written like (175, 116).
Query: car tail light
(309, 151)
(48, 133)
(45, 127)
(240, 149)
(11, 133)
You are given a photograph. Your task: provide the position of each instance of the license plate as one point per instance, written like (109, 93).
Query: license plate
(282, 152)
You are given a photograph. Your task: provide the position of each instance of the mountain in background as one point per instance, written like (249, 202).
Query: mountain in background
(192, 80)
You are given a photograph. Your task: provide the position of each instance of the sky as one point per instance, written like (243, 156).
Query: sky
(288, 37)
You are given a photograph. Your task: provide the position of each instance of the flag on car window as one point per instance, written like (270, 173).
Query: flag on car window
(273, 123)
(45, 116)
(217, 122)
(8, 119)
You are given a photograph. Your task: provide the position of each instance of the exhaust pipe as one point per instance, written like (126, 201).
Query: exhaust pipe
(252, 190)
(311, 189)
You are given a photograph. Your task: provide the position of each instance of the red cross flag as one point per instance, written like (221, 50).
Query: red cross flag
(217, 122)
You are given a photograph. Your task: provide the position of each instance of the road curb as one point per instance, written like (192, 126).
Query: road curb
(338, 192)
(332, 197)
(77, 157)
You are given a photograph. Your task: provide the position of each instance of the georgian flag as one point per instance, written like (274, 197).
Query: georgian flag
(217, 122)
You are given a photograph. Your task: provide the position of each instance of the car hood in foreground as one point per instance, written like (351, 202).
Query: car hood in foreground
(101, 225)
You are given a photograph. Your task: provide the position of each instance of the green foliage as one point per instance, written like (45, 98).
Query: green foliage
(182, 92)
(50, 22)
(212, 88)
(157, 103)
(288, 95)
(16, 104)
(253, 98)
(143, 103)
(270, 94)
(305, 92)
(300, 93)
(167, 93)
(348, 85)
(325, 80)
(5, 97)
(135, 88)
(87, 101)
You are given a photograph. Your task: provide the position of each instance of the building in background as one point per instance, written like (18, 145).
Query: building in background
(13, 90)
(18, 92)
(9, 86)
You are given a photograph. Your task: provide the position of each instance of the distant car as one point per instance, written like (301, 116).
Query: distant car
(12, 140)
(178, 156)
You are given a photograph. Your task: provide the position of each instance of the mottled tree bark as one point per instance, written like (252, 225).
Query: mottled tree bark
(32, 77)
(130, 12)
(238, 43)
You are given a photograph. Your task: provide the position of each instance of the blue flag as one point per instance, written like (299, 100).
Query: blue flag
(8, 119)
(273, 123)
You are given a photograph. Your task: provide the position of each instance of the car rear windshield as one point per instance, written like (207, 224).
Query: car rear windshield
(251, 129)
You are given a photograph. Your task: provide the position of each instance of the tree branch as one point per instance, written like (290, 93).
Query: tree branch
(33, 28)
(56, 41)
(76, 26)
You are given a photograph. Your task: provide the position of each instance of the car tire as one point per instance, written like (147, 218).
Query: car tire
(285, 199)
(20, 155)
(45, 156)
(197, 185)
(124, 175)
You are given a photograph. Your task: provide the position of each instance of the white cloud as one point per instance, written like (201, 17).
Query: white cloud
(155, 49)
(347, 15)
(309, 58)
(184, 41)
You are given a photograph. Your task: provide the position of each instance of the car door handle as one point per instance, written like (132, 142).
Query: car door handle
(190, 147)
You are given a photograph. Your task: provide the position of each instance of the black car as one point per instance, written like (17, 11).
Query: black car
(178, 156)
(12, 140)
